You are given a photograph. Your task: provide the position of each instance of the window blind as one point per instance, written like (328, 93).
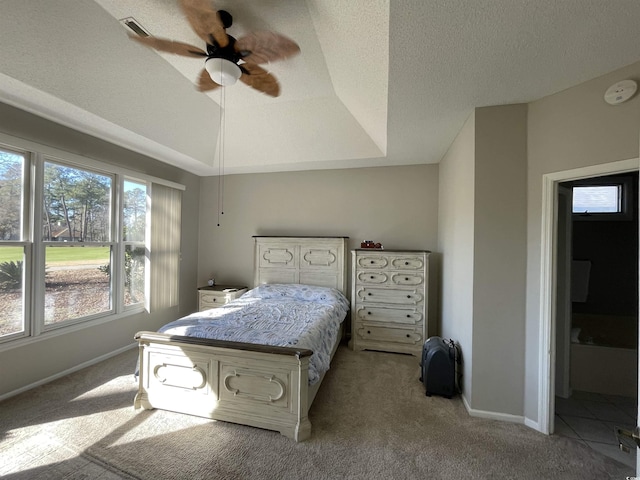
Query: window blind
(166, 205)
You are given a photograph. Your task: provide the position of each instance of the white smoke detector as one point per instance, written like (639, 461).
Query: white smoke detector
(620, 92)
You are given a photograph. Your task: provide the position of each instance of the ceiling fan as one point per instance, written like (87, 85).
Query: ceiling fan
(227, 59)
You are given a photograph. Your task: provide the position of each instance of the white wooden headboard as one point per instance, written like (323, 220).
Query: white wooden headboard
(309, 260)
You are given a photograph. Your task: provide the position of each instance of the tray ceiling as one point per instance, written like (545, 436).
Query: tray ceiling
(378, 82)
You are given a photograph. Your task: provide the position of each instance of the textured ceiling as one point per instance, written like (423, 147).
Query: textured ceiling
(378, 82)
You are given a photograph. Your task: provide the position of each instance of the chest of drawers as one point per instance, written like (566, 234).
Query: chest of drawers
(389, 300)
(218, 295)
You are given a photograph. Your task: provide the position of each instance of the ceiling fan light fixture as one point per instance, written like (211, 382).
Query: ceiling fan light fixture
(223, 72)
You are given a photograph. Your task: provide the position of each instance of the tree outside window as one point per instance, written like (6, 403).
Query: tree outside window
(133, 235)
(77, 235)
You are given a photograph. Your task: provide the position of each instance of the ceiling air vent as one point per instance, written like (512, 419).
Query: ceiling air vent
(132, 24)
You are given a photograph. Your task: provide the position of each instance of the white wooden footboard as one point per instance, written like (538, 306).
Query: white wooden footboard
(256, 385)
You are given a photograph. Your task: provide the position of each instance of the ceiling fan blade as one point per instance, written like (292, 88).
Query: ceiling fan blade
(258, 78)
(170, 46)
(263, 47)
(205, 21)
(205, 83)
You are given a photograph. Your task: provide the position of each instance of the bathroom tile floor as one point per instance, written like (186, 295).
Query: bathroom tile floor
(592, 418)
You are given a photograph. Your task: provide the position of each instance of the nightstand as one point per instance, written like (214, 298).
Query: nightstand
(218, 295)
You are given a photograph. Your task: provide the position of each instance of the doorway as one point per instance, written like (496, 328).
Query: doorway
(596, 311)
(548, 282)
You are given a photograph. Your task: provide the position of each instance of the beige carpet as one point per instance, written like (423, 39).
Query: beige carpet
(370, 420)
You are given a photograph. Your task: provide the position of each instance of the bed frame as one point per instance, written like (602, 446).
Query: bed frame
(257, 385)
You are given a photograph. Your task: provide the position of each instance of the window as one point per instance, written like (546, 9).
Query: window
(76, 233)
(12, 245)
(602, 198)
(597, 199)
(134, 237)
(75, 241)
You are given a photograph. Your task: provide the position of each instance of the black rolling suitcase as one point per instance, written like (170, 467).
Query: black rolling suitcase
(440, 359)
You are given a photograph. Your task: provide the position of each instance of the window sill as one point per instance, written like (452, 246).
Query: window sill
(18, 342)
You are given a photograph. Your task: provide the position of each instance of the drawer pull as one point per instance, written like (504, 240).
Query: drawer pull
(408, 316)
(408, 336)
(369, 293)
(406, 263)
(369, 331)
(372, 262)
(406, 279)
(368, 313)
(372, 277)
(408, 296)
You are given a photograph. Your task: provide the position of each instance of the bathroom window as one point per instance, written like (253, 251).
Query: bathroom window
(602, 199)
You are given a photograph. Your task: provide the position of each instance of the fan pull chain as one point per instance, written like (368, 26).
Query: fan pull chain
(221, 154)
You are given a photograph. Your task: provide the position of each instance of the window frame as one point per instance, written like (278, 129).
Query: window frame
(144, 243)
(625, 186)
(25, 242)
(35, 155)
(41, 244)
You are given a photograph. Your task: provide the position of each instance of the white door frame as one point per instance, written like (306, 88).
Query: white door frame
(548, 259)
(564, 249)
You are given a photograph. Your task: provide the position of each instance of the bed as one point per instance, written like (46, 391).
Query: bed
(270, 386)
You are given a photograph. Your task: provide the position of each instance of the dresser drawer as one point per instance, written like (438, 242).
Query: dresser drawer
(395, 296)
(410, 279)
(404, 278)
(390, 262)
(407, 262)
(409, 316)
(372, 262)
(373, 278)
(389, 334)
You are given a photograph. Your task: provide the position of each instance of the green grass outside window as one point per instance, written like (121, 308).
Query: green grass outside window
(60, 255)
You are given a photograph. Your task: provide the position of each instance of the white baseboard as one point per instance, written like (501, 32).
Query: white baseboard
(51, 378)
(503, 417)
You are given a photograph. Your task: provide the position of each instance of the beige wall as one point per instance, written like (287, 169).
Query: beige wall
(482, 240)
(572, 129)
(455, 246)
(396, 206)
(50, 355)
(499, 288)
